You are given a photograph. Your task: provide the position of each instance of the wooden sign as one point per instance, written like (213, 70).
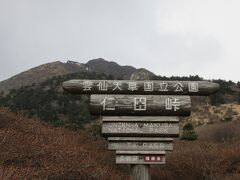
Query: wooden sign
(140, 87)
(140, 105)
(140, 157)
(140, 119)
(140, 143)
(160, 129)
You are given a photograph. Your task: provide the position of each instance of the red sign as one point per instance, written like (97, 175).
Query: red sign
(153, 158)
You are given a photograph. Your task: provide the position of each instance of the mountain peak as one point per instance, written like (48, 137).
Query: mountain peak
(43, 72)
(112, 68)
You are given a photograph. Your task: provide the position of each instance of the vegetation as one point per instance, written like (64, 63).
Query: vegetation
(178, 78)
(200, 160)
(35, 150)
(238, 98)
(31, 149)
(228, 93)
(188, 132)
(220, 132)
(50, 103)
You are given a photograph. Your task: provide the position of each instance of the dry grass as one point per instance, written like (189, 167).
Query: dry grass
(220, 132)
(201, 160)
(215, 156)
(206, 114)
(30, 149)
(33, 150)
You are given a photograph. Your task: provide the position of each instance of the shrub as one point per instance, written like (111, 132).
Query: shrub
(200, 160)
(31, 149)
(94, 131)
(221, 132)
(189, 132)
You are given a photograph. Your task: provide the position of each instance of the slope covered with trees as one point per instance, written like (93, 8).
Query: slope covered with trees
(50, 103)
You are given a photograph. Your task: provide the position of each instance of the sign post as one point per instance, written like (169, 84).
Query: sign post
(140, 118)
(140, 172)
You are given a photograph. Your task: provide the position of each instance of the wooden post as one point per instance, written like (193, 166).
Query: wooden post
(140, 172)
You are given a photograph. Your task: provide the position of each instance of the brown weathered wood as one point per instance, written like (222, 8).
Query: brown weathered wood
(141, 152)
(140, 119)
(140, 143)
(135, 129)
(140, 105)
(140, 87)
(140, 157)
(143, 139)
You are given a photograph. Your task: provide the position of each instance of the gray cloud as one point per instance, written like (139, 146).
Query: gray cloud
(168, 38)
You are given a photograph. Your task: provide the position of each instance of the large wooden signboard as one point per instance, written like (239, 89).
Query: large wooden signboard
(140, 143)
(140, 87)
(140, 118)
(140, 157)
(141, 105)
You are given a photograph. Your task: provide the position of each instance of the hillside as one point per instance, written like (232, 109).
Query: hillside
(50, 103)
(31, 149)
(34, 150)
(43, 72)
(39, 74)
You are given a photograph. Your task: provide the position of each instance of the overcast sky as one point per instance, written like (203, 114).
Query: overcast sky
(168, 37)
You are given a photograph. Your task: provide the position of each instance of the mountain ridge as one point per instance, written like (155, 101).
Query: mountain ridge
(112, 68)
(46, 71)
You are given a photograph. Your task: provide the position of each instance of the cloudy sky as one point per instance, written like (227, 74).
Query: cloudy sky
(168, 37)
